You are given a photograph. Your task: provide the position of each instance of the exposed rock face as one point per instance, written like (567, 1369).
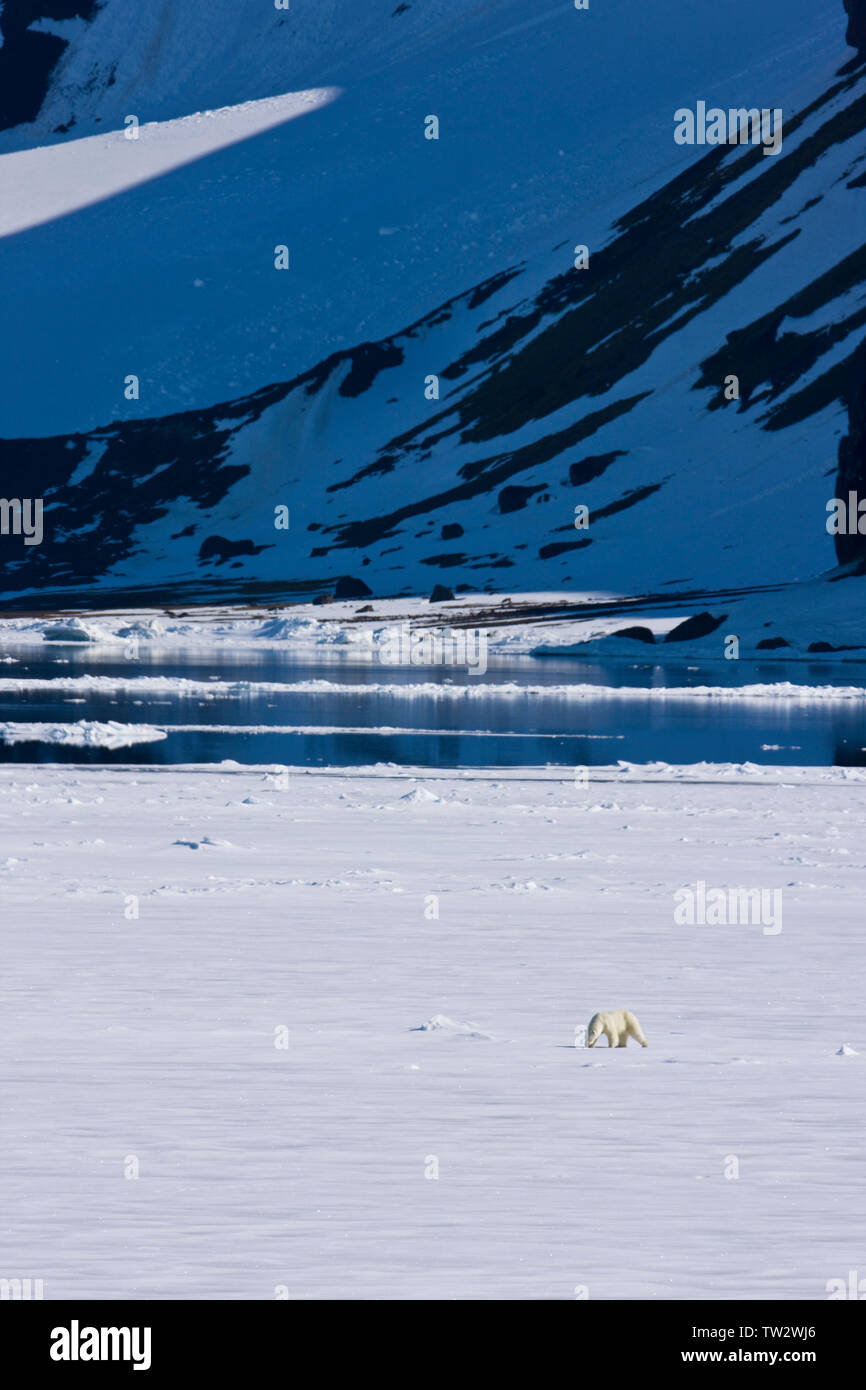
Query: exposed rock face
(441, 594)
(218, 549)
(691, 629)
(637, 634)
(856, 34)
(852, 462)
(352, 588)
(28, 56)
(515, 498)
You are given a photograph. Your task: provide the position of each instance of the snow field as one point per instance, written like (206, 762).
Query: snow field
(163, 926)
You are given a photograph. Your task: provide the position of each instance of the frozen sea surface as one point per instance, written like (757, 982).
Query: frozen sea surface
(428, 959)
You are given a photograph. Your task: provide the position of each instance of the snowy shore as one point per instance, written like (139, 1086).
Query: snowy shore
(164, 925)
(798, 622)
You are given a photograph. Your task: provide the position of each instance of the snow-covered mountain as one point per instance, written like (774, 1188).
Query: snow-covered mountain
(439, 380)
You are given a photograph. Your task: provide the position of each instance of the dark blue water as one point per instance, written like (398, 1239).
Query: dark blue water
(498, 731)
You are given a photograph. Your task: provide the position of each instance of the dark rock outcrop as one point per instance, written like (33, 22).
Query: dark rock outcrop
(514, 498)
(219, 549)
(637, 634)
(441, 594)
(701, 625)
(28, 56)
(769, 644)
(856, 33)
(352, 588)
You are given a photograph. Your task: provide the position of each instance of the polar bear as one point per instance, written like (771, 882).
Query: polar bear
(618, 1025)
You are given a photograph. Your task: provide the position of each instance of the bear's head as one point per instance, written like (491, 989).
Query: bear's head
(594, 1031)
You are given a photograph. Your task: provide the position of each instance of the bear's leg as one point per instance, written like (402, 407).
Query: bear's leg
(612, 1038)
(635, 1031)
(623, 1042)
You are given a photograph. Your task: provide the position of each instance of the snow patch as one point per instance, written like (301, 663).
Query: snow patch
(420, 794)
(440, 1023)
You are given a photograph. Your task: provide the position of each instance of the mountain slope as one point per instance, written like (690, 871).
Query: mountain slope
(558, 386)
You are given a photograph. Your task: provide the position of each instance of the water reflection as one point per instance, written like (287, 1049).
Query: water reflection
(342, 728)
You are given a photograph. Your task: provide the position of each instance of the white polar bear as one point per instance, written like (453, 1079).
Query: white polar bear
(618, 1025)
